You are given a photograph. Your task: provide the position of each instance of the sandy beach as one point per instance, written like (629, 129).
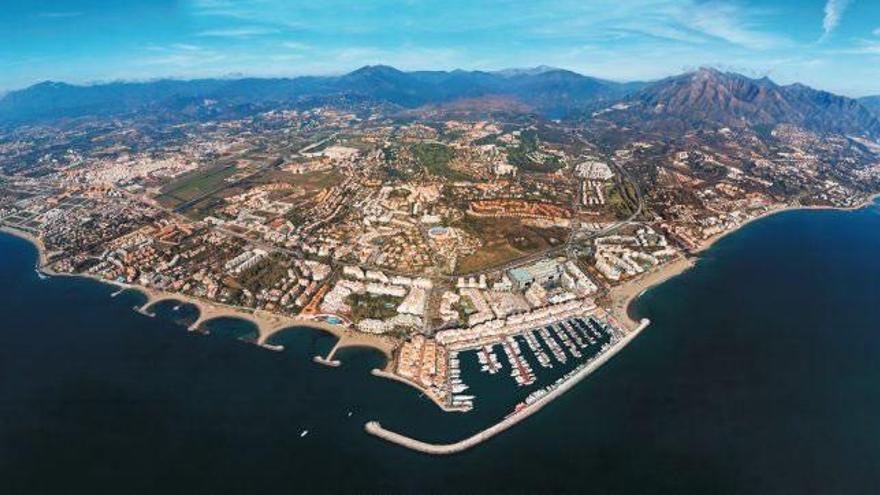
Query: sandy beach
(42, 258)
(706, 244)
(623, 295)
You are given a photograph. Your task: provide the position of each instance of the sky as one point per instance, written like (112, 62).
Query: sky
(828, 44)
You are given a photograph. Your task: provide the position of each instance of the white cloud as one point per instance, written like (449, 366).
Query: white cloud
(186, 47)
(59, 15)
(295, 45)
(834, 10)
(670, 33)
(864, 47)
(876, 32)
(405, 57)
(238, 32)
(286, 57)
(179, 55)
(677, 21)
(730, 23)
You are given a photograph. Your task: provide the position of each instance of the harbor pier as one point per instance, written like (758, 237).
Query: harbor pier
(329, 361)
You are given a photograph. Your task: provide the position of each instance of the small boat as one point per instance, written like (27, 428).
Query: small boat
(176, 308)
(304, 433)
(349, 414)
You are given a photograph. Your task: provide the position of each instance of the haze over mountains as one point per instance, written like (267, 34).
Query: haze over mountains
(703, 97)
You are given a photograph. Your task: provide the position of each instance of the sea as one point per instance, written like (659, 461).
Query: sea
(760, 373)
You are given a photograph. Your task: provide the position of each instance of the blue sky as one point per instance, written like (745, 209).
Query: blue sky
(829, 44)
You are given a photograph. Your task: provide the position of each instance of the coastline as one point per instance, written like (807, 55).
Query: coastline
(397, 378)
(42, 258)
(707, 243)
(624, 295)
(267, 323)
(621, 296)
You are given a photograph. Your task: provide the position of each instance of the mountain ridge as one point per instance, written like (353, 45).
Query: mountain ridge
(705, 97)
(550, 89)
(712, 97)
(872, 103)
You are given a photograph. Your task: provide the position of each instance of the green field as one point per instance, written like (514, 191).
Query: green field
(620, 199)
(435, 158)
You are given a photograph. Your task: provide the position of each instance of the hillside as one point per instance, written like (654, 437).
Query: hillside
(709, 97)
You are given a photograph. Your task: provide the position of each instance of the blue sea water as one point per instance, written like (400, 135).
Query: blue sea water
(759, 374)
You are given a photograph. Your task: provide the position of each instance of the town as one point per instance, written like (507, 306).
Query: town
(511, 240)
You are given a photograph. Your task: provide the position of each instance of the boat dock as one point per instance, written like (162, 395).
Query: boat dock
(554, 347)
(488, 360)
(535, 346)
(566, 341)
(520, 369)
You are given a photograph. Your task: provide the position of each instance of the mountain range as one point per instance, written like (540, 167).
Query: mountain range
(734, 100)
(699, 98)
(546, 89)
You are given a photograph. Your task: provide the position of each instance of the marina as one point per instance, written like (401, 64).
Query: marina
(532, 404)
(566, 341)
(571, 341)
(536, 348)
(457, 400)
(520, 369)
(488, 360)
(554, 347)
